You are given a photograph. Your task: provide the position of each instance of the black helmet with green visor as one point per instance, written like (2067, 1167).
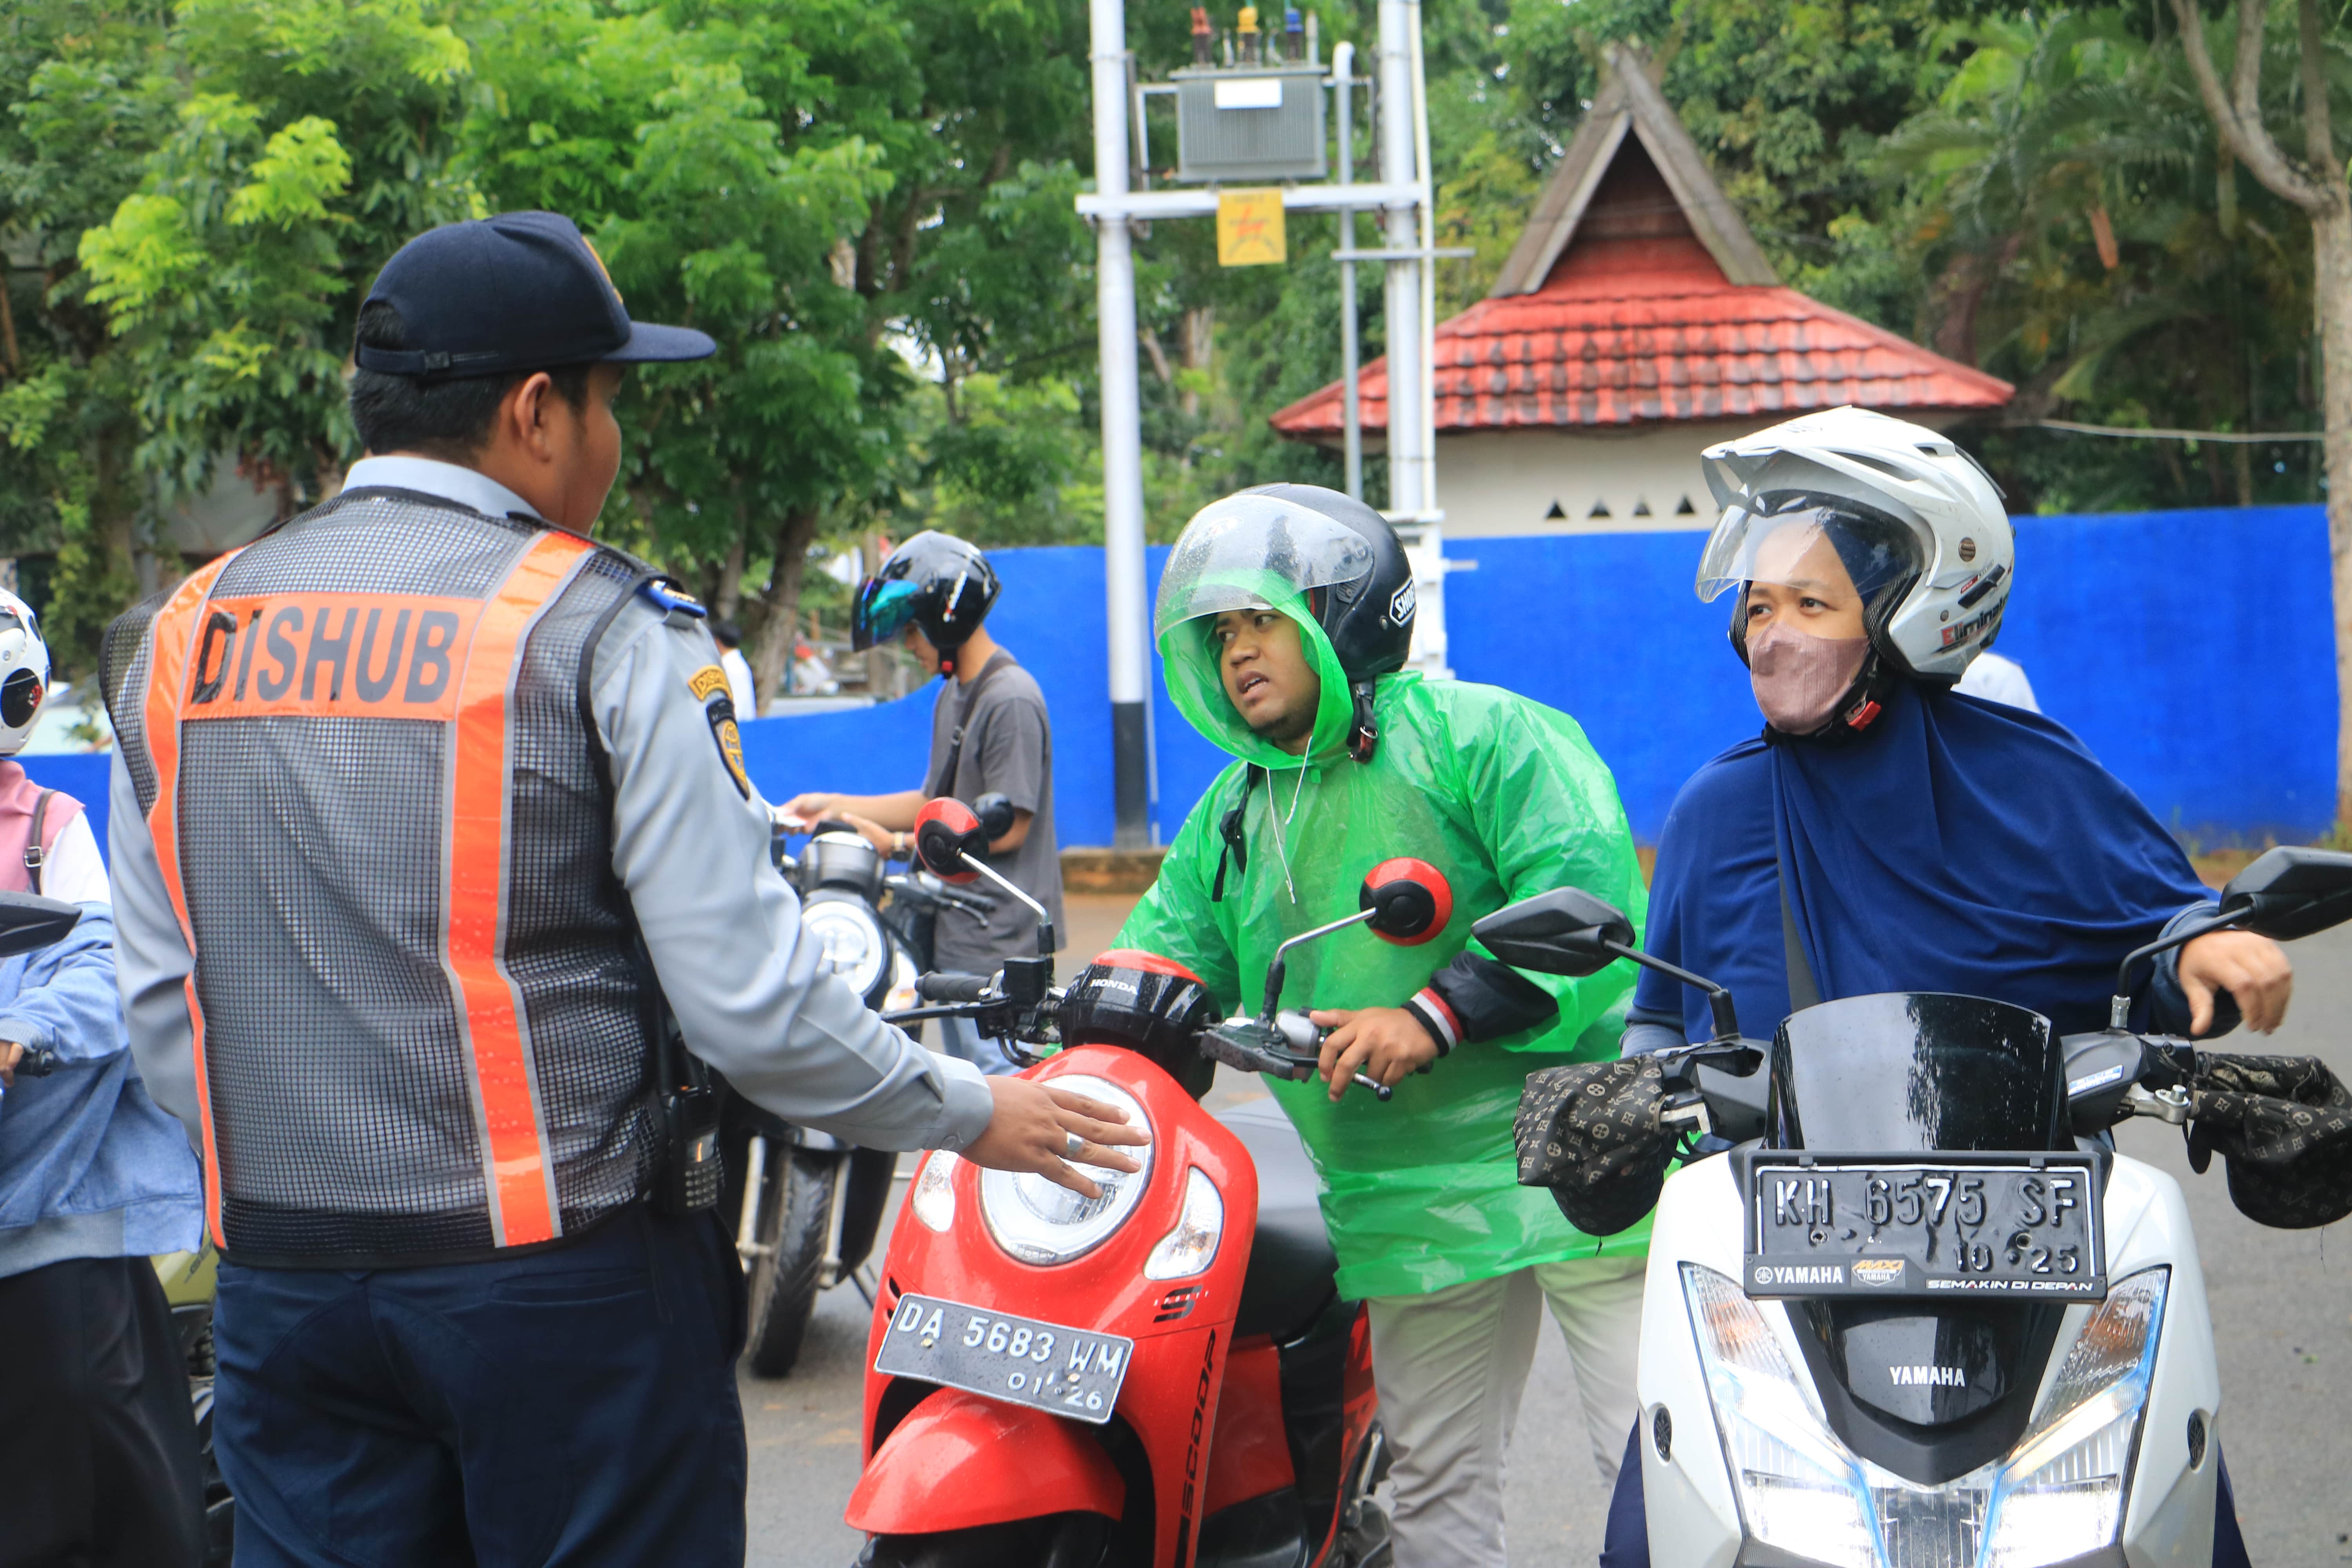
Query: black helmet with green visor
(934, 581)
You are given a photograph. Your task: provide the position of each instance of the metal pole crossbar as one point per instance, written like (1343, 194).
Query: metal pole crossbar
(1401, 196)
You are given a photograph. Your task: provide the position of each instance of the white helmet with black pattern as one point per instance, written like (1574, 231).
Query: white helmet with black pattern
(1920, 526)
(24, 673)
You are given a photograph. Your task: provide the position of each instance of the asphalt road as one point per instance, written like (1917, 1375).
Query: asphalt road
(2281, 1306)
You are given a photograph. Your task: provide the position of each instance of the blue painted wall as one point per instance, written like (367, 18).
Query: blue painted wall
(81, 774)
(2192, 650)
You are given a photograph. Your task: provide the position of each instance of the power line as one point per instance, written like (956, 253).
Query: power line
(2235, 437)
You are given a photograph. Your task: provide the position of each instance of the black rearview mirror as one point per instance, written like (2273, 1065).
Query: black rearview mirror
(996, 814)
(27, 923)
(2291, 893)
(1565, 931)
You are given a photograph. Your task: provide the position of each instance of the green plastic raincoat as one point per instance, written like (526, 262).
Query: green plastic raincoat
(1506, 798)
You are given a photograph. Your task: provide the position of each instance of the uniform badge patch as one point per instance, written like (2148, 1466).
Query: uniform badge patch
(709, 685)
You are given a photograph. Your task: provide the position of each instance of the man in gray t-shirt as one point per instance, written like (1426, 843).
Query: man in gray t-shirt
(1008, 750)
(990, 735)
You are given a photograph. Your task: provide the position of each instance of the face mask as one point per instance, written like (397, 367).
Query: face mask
(1798, 677)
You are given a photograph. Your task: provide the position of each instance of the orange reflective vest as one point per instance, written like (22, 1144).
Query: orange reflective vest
(361, 747)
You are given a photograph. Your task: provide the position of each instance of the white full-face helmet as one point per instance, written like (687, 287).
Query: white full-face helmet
(1919, 524)
(24, 673)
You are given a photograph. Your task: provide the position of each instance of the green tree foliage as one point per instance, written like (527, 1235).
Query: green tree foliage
(869, 203)
(668, 144)
(307, 140)
(79, 109)
(2085, 234)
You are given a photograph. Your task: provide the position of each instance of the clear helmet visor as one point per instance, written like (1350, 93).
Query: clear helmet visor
(1798, 540)
(1250, 550)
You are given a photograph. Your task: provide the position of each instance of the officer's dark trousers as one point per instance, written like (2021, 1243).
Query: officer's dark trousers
(99, 1463)
(568, 1407)
(1625, 1542)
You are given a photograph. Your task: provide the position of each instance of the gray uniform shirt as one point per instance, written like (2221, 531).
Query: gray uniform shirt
(1008, 749)
(753, 997)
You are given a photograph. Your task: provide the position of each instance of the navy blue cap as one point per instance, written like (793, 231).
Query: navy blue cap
(520, 292)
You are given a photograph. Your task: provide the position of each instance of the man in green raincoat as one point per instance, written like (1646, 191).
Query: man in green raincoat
(1284, 616)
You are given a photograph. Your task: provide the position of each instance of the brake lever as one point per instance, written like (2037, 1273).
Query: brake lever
(1688, 1110)
(1253, 1045)
(2167, 1105)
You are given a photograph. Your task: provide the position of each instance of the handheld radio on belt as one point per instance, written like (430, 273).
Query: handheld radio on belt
(690, 1112)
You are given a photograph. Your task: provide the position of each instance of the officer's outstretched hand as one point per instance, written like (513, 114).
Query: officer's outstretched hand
(1031, 1132)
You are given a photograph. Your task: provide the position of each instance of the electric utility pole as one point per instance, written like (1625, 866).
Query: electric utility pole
(1122, 441)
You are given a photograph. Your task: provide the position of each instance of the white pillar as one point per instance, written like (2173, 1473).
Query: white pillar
(1351, 424)
(1407, 432)
(1122, 442)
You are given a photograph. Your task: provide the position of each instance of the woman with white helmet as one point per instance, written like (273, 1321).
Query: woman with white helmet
(45, 846)
(1920, 840)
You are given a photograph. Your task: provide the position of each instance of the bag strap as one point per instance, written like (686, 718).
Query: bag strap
(35, 856)
(1803, 991)
(1236, 844)
(944, 780)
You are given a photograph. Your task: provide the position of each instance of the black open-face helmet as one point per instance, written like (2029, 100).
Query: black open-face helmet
(1146, 1003)
(1368, 618)
(934, 581)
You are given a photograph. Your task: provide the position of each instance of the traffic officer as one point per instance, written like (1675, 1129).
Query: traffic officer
(429, 813)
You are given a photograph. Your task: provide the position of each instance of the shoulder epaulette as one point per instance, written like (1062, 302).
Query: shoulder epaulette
(680, 606)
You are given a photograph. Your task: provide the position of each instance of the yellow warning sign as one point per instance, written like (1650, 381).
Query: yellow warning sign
(1249, 229)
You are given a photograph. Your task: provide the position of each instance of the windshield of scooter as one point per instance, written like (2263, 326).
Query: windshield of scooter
(1916, 1071)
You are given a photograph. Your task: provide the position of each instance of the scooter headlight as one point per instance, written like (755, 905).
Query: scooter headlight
(2058, 1495)
(851, 935)
(1038, 1221)
(2061, 1493)
(1799, 1488)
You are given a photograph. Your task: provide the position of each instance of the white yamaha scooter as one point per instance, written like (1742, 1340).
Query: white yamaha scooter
(1922, 1315)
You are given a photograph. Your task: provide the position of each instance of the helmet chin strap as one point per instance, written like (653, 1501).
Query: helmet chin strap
(1861, 705)
(1863, 700)
(1364, 734)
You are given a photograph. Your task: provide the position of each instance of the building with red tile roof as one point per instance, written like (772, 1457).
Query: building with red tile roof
(1635, 323)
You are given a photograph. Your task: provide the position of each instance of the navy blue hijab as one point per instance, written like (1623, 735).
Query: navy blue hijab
(1957, 845)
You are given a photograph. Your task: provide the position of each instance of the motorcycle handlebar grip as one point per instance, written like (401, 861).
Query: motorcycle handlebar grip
(942, 986)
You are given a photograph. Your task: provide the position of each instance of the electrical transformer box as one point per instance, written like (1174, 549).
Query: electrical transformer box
(1251, 123)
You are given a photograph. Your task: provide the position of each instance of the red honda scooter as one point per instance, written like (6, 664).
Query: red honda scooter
(1162, 1376)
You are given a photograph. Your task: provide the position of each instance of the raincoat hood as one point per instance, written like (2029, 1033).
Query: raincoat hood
(1196, 682)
